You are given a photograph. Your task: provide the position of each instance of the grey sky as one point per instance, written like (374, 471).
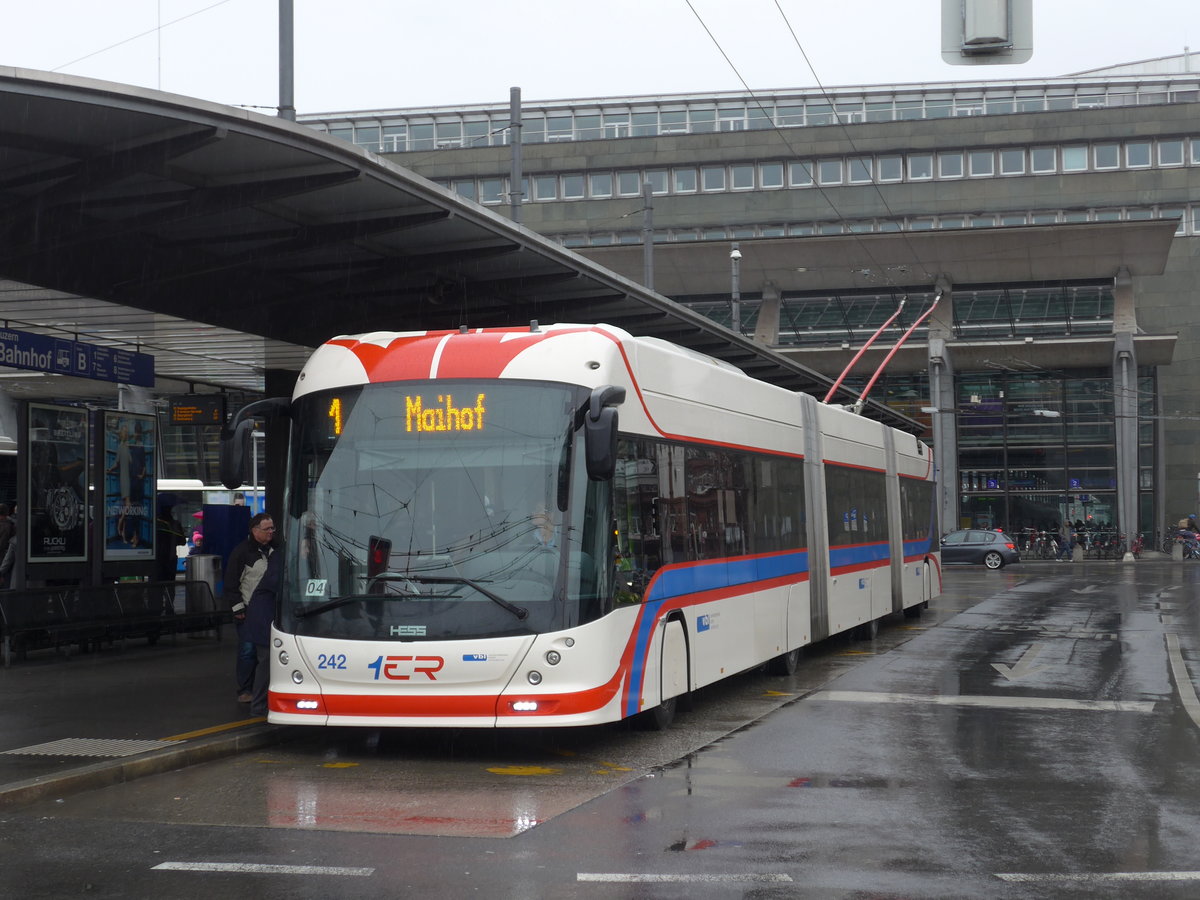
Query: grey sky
(379, 54)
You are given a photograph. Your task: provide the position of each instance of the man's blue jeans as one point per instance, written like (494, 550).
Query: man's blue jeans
(247, 662)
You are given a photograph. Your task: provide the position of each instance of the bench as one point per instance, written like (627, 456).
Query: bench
(60, 618)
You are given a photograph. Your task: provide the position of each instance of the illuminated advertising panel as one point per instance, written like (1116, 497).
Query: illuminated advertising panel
(58, 479)
(128, 486)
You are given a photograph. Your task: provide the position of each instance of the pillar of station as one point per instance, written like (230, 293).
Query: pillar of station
(766, 327)
(944, 418)
(276, 383)
(1125, 402)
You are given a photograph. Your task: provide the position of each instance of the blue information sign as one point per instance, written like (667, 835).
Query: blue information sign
(43, 353)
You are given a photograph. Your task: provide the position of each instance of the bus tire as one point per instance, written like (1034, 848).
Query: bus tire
(658, 718)
(867, 631)
(914, 612)
(784, 663)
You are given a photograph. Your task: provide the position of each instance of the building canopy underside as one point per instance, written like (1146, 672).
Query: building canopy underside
(195, 214)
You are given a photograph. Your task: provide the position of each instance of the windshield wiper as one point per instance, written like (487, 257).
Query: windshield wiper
(519, 611)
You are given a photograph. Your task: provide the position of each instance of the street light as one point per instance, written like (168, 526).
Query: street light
(735, 263)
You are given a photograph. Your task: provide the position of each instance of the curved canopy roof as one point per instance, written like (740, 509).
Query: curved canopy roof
(265, 228)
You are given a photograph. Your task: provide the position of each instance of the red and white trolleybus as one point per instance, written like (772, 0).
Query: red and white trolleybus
(570, 525)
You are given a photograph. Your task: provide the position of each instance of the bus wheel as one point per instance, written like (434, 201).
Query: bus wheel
(784, 663)
(867, 631)
(659, 718)
(914, 612)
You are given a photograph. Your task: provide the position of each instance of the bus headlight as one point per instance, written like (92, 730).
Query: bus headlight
(553, 657)
(283, 657)
(298, 676)
(535, 677)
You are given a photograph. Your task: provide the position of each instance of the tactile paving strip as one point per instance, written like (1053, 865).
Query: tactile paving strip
(90, 747)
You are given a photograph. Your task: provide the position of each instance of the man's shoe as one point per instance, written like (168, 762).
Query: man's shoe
(245, 698)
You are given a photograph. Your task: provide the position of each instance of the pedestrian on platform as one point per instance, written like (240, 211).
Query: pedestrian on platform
(246, 568)
(8, 530)
(168, 536)
(257, 630)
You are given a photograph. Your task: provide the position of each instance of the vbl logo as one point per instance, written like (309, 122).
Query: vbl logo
(402, 668)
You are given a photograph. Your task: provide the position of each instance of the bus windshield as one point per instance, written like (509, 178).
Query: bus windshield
(442, 510)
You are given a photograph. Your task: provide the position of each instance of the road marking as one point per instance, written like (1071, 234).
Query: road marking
(646, 878)
(1142, 706)
(1183, 681)
(215, 729)
(1024, 666)
(523, 770)
(261, 868)
(91, 747)
(1098, 877)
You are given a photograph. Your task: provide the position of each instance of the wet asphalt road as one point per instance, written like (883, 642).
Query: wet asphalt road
(1035, 734)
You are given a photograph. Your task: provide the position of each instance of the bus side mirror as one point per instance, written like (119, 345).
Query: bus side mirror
(600, 432)
(234, 457)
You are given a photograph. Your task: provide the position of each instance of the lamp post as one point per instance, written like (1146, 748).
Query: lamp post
(735, 263)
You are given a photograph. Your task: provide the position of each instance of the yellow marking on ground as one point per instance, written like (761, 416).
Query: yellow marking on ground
(523, 770)
(777, 694)
(557, 752)
(856, 653)
(216, 729)
(613, 767)
(338, 765)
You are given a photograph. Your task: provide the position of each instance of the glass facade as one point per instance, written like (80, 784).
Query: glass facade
(1001, 313)
(1037, 449)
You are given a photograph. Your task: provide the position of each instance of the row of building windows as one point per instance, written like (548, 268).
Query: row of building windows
(852, 170)
(997, 314)
(623, 118)
(1188, 214)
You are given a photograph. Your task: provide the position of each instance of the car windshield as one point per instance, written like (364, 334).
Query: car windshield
(438, 511)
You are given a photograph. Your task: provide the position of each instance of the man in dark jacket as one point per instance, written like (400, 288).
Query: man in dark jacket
(168, 534)
(246, 567)
(257, 630)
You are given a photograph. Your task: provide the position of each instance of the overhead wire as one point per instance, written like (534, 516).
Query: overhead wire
(157, 28)
(782, 133)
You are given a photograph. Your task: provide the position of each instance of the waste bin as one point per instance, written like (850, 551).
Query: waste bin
(204, 568)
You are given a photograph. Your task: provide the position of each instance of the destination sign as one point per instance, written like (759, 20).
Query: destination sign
(62, 356)
(444, 415)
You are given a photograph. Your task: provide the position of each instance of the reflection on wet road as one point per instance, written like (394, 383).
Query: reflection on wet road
(1038, 730)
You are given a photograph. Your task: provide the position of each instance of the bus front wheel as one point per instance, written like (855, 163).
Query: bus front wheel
(660, 717)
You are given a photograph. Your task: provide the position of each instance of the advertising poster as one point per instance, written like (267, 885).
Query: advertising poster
(58, 484)
(128, 486)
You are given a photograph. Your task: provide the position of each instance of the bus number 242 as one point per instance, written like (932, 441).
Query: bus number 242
(402, 668)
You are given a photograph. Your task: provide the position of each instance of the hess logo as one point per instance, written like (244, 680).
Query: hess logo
(404, 668)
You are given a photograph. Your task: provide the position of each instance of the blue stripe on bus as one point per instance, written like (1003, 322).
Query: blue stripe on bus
(917, 547)
(695, 578)
(857, 555)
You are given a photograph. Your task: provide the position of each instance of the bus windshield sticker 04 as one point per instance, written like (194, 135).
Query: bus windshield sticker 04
(445, 416)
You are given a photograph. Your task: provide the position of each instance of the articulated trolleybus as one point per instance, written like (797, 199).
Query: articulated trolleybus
(472, 540)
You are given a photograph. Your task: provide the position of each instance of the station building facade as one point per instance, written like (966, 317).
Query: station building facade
(1044, 233)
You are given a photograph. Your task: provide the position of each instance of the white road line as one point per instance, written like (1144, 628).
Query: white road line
(1141, 706)
(646, 878)
(1097, 877)
(260, 868)
(1183, 681)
